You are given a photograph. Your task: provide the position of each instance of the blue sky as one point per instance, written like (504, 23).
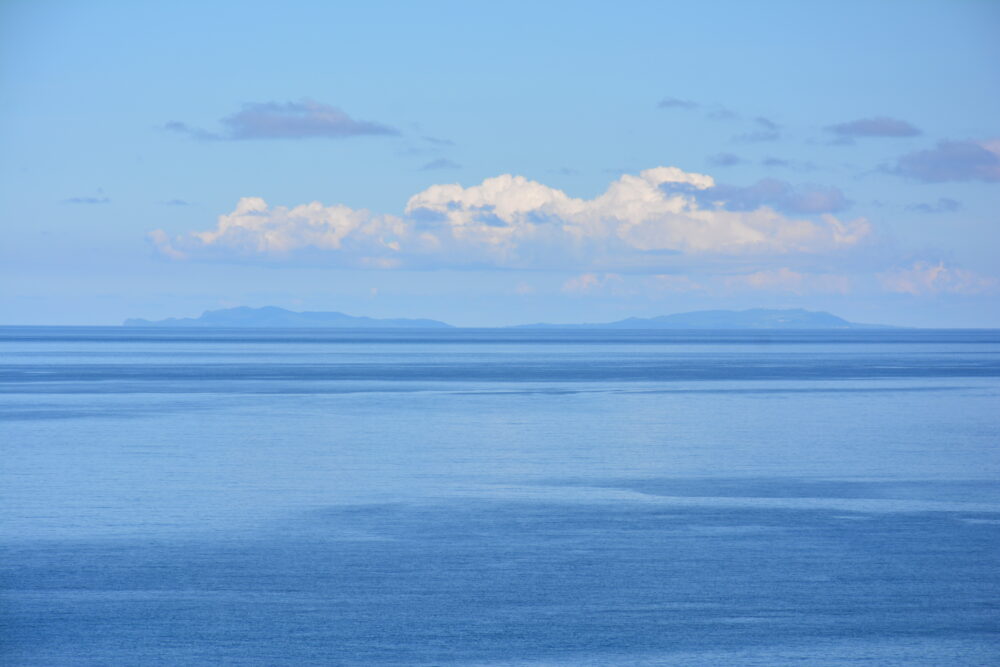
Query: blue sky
(491, 164)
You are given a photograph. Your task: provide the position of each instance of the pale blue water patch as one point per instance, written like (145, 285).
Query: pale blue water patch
(499, 497)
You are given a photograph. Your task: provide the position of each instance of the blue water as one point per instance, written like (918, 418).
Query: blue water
(224, 497)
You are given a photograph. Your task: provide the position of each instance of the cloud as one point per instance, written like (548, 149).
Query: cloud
(435, 141)
(86, 200)
(779, 195)
(641, 223)
(589, 283)
(953, 161)
(943, 205)
(765, 130)
(290, 120)
(176, 202)
(927, 278)
(676, 103)
(880, 126)
(724, 160)
(441, 163)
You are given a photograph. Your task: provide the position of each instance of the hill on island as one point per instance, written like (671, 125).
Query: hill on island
(755, 318)
(274, 317)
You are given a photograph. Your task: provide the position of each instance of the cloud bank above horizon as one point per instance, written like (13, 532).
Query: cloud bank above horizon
(640, 223)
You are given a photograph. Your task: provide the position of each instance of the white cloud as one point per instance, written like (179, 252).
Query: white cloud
(589, 283)
(927, 278)
(512, 222)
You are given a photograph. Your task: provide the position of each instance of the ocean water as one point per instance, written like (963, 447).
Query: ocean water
(475, 497)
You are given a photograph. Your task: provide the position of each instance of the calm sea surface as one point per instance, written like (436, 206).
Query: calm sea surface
(297, 497)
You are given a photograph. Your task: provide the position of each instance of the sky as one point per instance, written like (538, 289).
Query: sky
(489, 164)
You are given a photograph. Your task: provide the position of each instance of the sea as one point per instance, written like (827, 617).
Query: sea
(499, 497)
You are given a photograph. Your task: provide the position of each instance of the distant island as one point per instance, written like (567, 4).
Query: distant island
(755, 318)
(274, 317)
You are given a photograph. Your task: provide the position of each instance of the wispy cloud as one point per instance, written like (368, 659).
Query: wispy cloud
(639, 223)
(291, 120)
(86, 200)
(440, 163)
(923, 278)
(803, 199)
(878, 126)
(942, 205)
(724, 160)
(436, 141)
(590, 283)
(765, 129)
(677, 103)
(953, 161)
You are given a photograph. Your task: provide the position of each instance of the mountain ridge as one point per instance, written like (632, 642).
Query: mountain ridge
(275, 317)
(753, 318)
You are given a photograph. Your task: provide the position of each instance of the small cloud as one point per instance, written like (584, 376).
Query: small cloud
(765, 130)
(766, 123)
(779, 195)
(953, 161)
(943, 205)
(722, 113)
(565, 171)
(724, 160)
(758, 136)
(588, 283)
(291, 120)
(176, 202)
(880, 126)
(192, 132)
(780, 163)
(523, 289)
(926, 278)
(86, 200)
(676, 103)
(438, 142)
(440, 163)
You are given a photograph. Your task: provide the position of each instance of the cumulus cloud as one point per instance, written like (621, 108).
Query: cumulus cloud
(953, 161)
(291, 120)
(880, 126)
(779, 195)
(922, 278)
(639, 223)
